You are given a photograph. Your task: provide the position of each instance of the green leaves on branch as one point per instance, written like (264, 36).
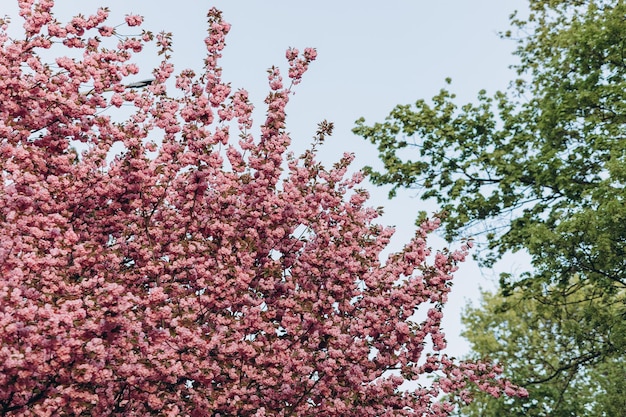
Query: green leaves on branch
(464, 162)
(540, 167)
(564, 352)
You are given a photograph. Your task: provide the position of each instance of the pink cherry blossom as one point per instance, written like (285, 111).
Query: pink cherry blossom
(133, 20)
(162, 260)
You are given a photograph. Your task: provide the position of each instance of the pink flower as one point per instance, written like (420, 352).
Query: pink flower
(106, 31)
(133, 20)
(175, 262)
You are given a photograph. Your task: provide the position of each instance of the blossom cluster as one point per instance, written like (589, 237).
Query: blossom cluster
(197, 272)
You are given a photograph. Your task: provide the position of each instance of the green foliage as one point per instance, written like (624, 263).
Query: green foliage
(568, 363)
(543, 163)
(540, 167)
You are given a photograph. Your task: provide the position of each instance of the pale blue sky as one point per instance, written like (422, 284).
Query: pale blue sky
(372, 55)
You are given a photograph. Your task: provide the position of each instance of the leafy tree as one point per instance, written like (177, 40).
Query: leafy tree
(539, 342)
(546, 159)
(539, 168)
(167, 269)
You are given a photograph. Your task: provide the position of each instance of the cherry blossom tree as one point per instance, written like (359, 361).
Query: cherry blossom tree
(153, 262)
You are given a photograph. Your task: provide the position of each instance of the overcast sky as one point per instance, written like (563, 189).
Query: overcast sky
(372, 55)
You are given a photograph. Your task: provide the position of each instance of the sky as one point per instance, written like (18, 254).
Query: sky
(372, 55)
